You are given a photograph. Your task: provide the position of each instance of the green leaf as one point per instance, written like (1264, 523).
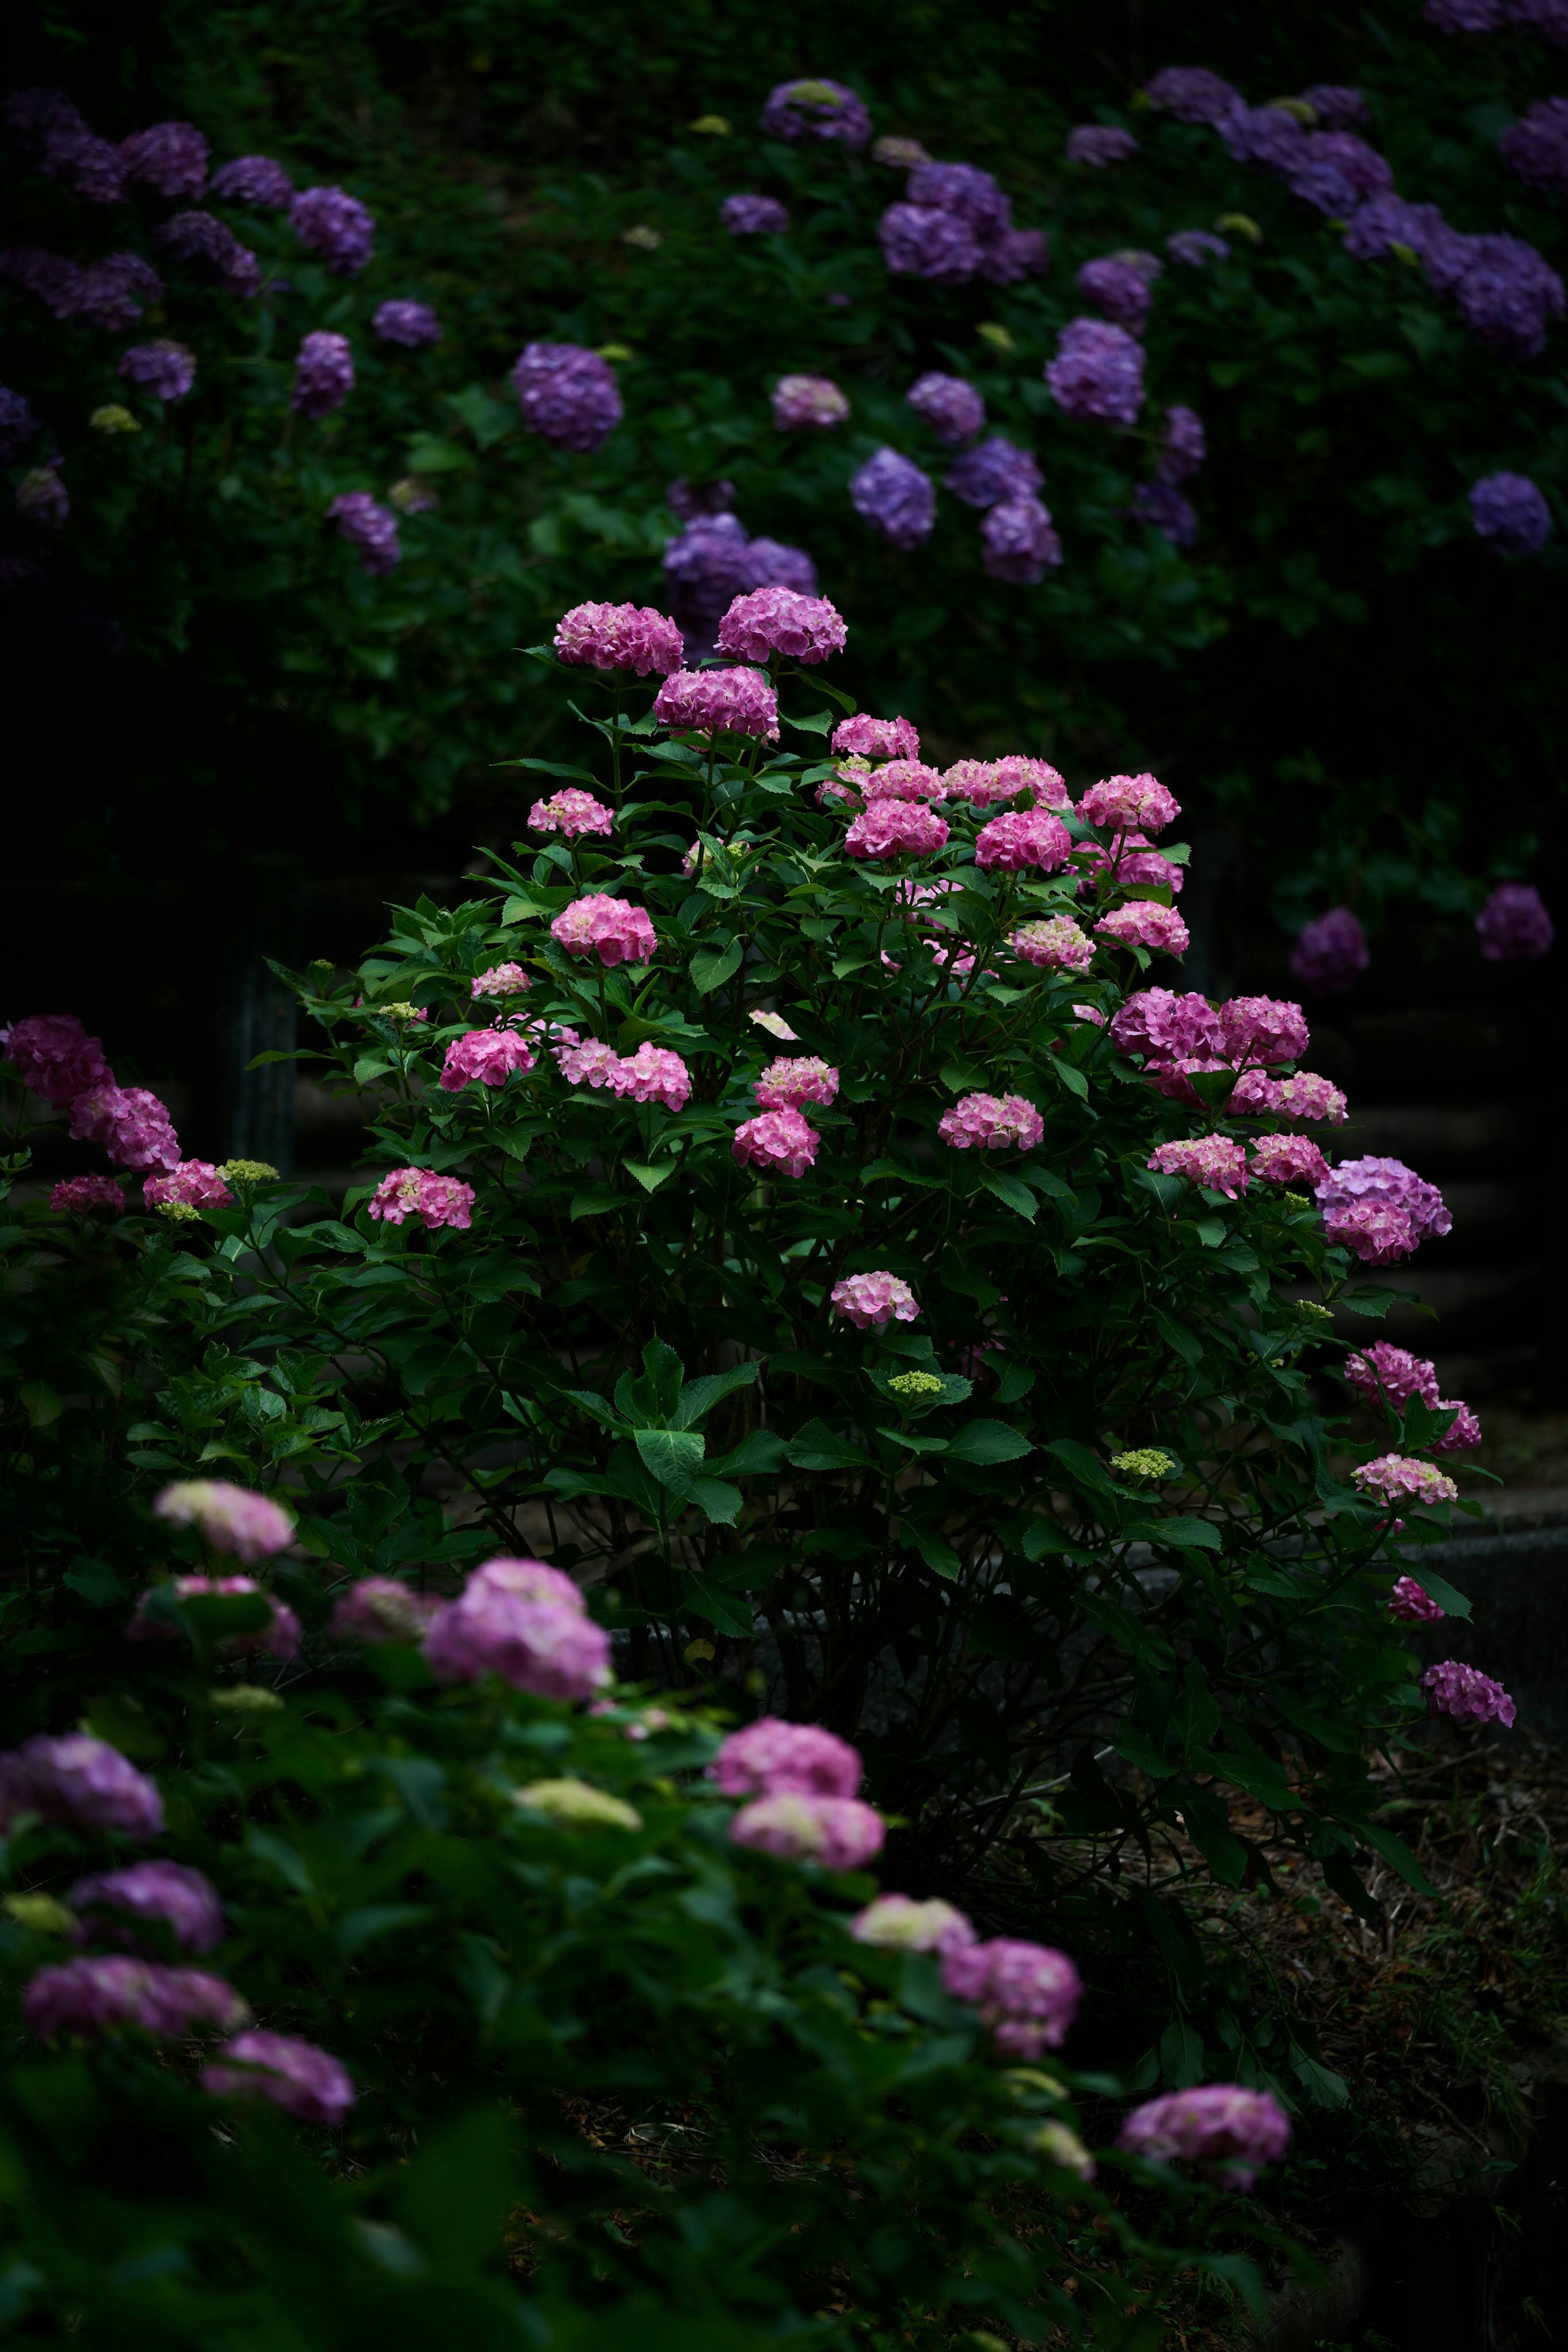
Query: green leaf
(1071, 1076)
(716, 1500)
(1396, 1852)
(934, 1551)
(593, 1201)
(988, 1441)
(649, 1178)
(700, 1396)
(711, 966)
(358, 1928)
(817, 1447)
(1084, 1467)
(1194, 1533)
(673, 1455)
(1016, 1196)
(1440, 1590)
(1175, 1335)
(812, 722)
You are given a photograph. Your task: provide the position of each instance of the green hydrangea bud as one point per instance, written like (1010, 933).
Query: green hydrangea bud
(915, 1385)
(248, 1171)
(577, 1805)
(1144, 1462)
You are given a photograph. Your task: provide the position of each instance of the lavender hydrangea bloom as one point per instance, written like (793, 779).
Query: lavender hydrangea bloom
(1098, 144)
(1098, 373)
(1467, 1695)
(1197, 247)
(964, 190)
(254, 180)
(752, 215)
(1192, 94)
(1330, 952)
(816, 109)
(82, 1781)
(1183, 447)
(1016, 253)
(995, 471)
(170, 157)
(112, 292)
(323, 374)
(1117, 291)
(1388, 1182)
(202, 238)
(1019, 542)
(1507, 294)
(95, 1996)
(1162, 506)
(952, 408)
(1227, 2131)
(49, 128)
(306, 2082)
(1336, 172)
(1511, 514)
(110, 1904)
(567, 395)
(369, 527)
(17, 422)
(1378, 225)
(769, 1756)
(1337, 106)
(167, 369)
(1514, 925)
(1265, 135)
(336, 225)
(49, 275)
(770, 564)
(1535, 147)
(704, 569)
(891, 492)
(412, 324)
(918, 241)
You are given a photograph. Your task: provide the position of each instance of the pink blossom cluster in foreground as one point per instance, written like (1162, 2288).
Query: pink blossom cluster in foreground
(500, 979)
(652, 1074)
(718, 702)
(232, 1519)
(870, 1301)
(611, 929)
(113, 1905)
(1145, 923)
(57, 1060)
(1210, 1161)
(435, 1200)
(485, 1057)
(876, 739)
(892, 828)
(781, 621)
(1027, 1993)
(573, 812)
(779, 1142)
(1412, 1604)
(791, 1081)
(1054, 943)
(1385, 1374)
(770, 1756)
(1020, 839)
(1396, 1479)
(382, 1609)
(992, 1123)
(193, 1183)
(984, 783)
(619, 636)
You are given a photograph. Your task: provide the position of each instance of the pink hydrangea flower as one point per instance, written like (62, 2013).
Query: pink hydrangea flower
(840, 1833)
(896, 1923)
(1384, 1373)
(1130, 805)
(54, 1057)
(1212, 1161)
(1396, 1479)
(1020, 839)
(653, 1074)
(902, 780)
(992, 1123)
(306, 2082)
(771, 1757)
(110, 1903)
(889, 828)
(808, 400)
(795, 1080)
(80, 1781)
(777, 1140)
(986, 781)
(1089, 1013)
(131, 1123)
(611, 929)
(1174, 1079)
(1227, 2130)
(1462, 1432)
(619, 636)
(414, 1192)
(876, 739)
(1255, 1095)
(90, 1997)
(524, 1621)
(1261, 1029)
(1330, 952)
(1306, 1095)
(280, 1638)
(781, 621)
(87, 1196)
(382, 1609)
(573, 812)
(1027, 1993)
(1372, 1231)
(1145, 923)
(870, 1301)
(1131, 860)
(1055, 943)
(1467, 1695)
(1390, 1183)
(1165, 1027)
(235, 1519)
(485, 1057)
(1288, 1159)
(588, 1062)
(718, 702)
(500, 979)
(1412, 1604)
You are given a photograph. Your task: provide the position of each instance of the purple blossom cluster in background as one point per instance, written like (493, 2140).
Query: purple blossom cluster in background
(369, 527)
(336, 225)
(170, 157)
(567, 394)
(952, 407)
(954, 224)
(1330, 952)
(412, 324)
(1511, 514)
(996, 469)
(816, 108)
(1197, 247)
(1548, 17)
(254, 180)
(323, 374)
(1119, 287)
(751, 216)
(167, 370)
(715, 560)
(1098, 144)
(1514, 925)
(895, 497)
(204, 242)
(1097, 374)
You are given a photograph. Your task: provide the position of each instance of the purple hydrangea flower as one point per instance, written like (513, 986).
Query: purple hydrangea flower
(1514, 925)
(893, 493)
(952, 407)
(111, 292)
(770, 564)
(1385, 222)
(1183, 447)
(816, 109)
(1330, 952)
(1227, 2130)
(1535, 147)
(1098, 144)
(1162, 506)
(1019, 542)
(170, 157)
(918, 241)
(1192, 94)
(1336, 106)
(55, 1056)
(1197, 247)
(1511, 514)
(1265, 135)
(323, 374)
(1027, 1993)
(1506, 293)
(110, 1904)
(53, 133)
(567, 395)
(49, 275)
(1117, 290)
(167, 369)
(306, 2082)
(369, 527)
(93, 1997)
(336, 225)
(1336, 172)
(750, 215)
(994, 472)
(82, 1781)
(1464, 16)
(1098, 373)
(254, 180)
(1393, 1185)
(17, 422)
(704, 569)
(42, 498)
(1016, 253)
(413, 324)
(1467, 1695)
(964, 190)
(1547, 17)
(202, 238)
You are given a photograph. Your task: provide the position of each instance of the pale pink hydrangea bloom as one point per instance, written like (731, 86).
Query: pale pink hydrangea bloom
(1145, 923)
(1372, 1231)
(306, 2082)
(87, 1196)
(1462, 1432)
(1467, 1695)
(1384, 1373)
(280, 1638)
(876, 739)
(1164, 1027)
(1027, 1993)
(611, 929)
(96, 1996)
(1131, 860)
(80, 1780)
(1261, 1029)
(382, 1609)
(718, 702)
(771, 1757)
(1212, 1161)
(1227, 2131)
(514, 1617)
(903, 780)
(840, 1833)
(1130, 805)
(1396, 1479)
(436, 1201)
(1255, 1095)
(792, 1081)
(808, 400)
(131, 1123)
(588, 1062)
(111, 1904)
(776, 1026)
(235, 1519)
(1055, 943)
(194, 1183)
(889, 828)
(653, 1074)
(992, 1123)
(1306, 1095)
(573, 812)
(870, 1301)
(777, 1140)
(501, 980)
(1020, 839)
(779, 619)
(484, 1056)
(1288, 1159)
(896, 1923)
(619, 636)
(984, 783)
(1412, 1604)
(528, 1579)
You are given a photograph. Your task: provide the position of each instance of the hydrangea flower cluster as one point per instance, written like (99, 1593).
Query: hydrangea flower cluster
(898, 779)
(1306, 1095)
(567, 395)
(170, 157)
(1288, 1159)
(1386, 1374)
(280, 1637)
(131, 1123)
(1027, 1993)
(897, 1923)
(90, 1997)
(779, 621)
(1165, 1027)
(414, 325)
(1055, 943)
(816, 109)
(234, 1519)
(1397, 1478)
(1097, 374)
(752, 215)
(524, 1621)
(366, 524)
(485, 1057)
(1411, 1604)
(791, 1081)
(1385, 1185)
(839, 1833)
(986, 781)
(1098, 144)
(1222, 2128)
(306, 2082)
(80, 1781)
(1020, 839)
(769, 1756)
(200, 240)
(87, 1196)
(1145, 923)
(254, 180)
(500, 979)
(1195, 248)
(1261, 1029)
(1535, 147)
(1511, 514)
(895, 497)
(1130, 803)
(619, 636)
(1117, 290)
(435, 1200)
(111, 1904)
(165, 369)
(195, 1182)
(573, 812)
(1020, 543)
(779, 1142)
(323, 374)
(54, 1057)
(950, 405)
(865, 738)
(809, 402)
(1514, 925)
(652, 1074)
(993, 473)
(336, 225)
(871, 1300)
(892, 827)
(1467, 1695)
(381, 1609)
(1211, 1161)
(991, 1123)
(611, 929)
(718, 702)
(1330, 952)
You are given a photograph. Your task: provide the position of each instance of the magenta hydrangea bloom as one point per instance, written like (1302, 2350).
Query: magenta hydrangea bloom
(165, 369)
(1266, 1029)
(412, 324)
(1412, 1604)
(381, 1609)
(323, 375)
(898, 779)
(1165, 1027)
(1197, 247)
(305, 2082)
(528, 1579)
(776, 620)
(1391, 1182)
(992, 1123)
(571, 813)
(993, 473)
(892, 493)
(892, 828)
(896, 1923)
(876, 739)
(1256, 1095)
(816, 108)
(1229, 2131)
(1386, 1373)
(82, 1781)
(1330, 952)
(254, 180)
(781, 1142)
(234, 1519)
(1055, 943)
(336, 225)
(793, 1080)
(840, 1833)
(871, 1300)
(1211, 1161)
(500, 979)
(1020, 543)
(170, 157)
(1398, 1479)
(984, 783)
(1192, 94)
(1098, 144)
(109, 1905)
(751, 216)
(1145, 923)
(1466, 1695)
(950, 405)
(1130, 803)
(87, 1196)
(131, 1123)
(54, 1057)
(1098, 373)
(611, 929)
(1514, 925)
(771, 1757)
(718, 702)
(1511, 514)
(1287, 1160)
(568, 395)
(1373, 1231)
(1017, 840)
(280, 1637)
(1130, 859)
(619, 636)
(434, 1200)
(1027, 1993)
(485, 1057)
(1462, 1432)
(808, 401)
(653, 1074)
(195, 1183)
(1117, 291)
(91, 1997)
(509, 1621)
(1307, 1096)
